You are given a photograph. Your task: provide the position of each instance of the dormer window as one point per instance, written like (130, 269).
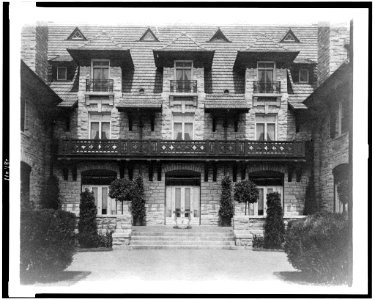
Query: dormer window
(148, 36)
(62, 73)
(183, 82)
(303, 76)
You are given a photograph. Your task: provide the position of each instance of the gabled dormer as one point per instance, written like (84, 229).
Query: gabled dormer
(290, 37)
(76, 35)
(219, 37)
(148, 36)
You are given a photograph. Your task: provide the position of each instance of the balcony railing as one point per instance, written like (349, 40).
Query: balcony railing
(177, 149)
(267, 87)
(183, 86)
(97, 85)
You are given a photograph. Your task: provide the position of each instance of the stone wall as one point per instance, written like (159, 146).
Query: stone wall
(36, 149)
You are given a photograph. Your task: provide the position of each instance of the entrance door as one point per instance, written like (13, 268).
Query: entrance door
(182, 201)
(260, 207)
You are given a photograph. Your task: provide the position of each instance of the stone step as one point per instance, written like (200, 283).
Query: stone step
(188, 243)
(176, 238)
(166, 247)
(193, 229)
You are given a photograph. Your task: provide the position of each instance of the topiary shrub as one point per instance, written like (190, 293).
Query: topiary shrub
(87, 229)
(47, 242)
(311, 206)
(274, 229)
(246, 192)
(138, 208)
(50, 198)
(319, 246)
(122, 190)
(226, 210)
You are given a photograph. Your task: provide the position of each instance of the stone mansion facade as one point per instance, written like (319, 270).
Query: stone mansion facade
(182, 107)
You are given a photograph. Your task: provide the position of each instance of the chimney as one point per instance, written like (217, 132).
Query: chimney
(332, 49)
(34, 49)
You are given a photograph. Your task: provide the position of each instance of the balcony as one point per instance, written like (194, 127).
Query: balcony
(181, 150)
(183, 86)
(97, 85)
(272, 87)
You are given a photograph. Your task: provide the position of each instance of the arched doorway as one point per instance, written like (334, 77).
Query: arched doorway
(182, 199)
(267, 182)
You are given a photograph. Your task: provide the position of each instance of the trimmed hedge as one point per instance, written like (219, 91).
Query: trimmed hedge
(47, 241)
(274, 229)
(226, 210)
(87, 228)
(319, 246)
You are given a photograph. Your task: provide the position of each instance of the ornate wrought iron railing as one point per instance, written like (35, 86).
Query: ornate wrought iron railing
(183, 86)
(97, 85)
(221, 149)
(272, 87)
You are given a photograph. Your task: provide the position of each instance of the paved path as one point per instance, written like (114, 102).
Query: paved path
(180, 271)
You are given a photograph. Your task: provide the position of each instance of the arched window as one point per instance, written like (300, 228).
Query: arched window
(341, 177)
(25, 183)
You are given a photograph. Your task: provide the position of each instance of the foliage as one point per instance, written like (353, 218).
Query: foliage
(121, 189)
(343, 189)
(138, 208)
(47, 241)
(258, 241)
(226, 210)
(87, 228)
(311, 206)
(246, 192)
(105, 240)
(319, 246)
(51, 193)
(274, 229)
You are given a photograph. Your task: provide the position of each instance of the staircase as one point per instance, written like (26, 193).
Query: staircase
(166, 237)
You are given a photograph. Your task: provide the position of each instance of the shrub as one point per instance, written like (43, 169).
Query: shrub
(121, 190)
(311, 206)
(226, 210)
(51, 193)
(138, 209)
(105, 240)
(47, 241)
(343, 190)
(88, 235)
(258, 241)
(319, 246)
(246, 192)
(274, 229)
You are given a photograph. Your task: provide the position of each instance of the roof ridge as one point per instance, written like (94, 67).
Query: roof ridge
(183, 33)
(102, 33)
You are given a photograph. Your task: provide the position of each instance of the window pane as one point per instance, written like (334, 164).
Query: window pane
(271, 129)
(178, 131)
(269, 75)
(105, 130)
(95, 191)
(187, 75)
(265, 65)
(260, 132)
(61, 73)
(188, 131)
(261, 203)
(104, 200)
(104, 63)
(187, 198)
(94, 134)
(178, 201)
(179, 75)
(303, 75)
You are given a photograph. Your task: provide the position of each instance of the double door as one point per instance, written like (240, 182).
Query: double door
(259, 208)
(182, 205)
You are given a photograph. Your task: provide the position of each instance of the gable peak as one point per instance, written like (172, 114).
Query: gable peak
(76, 35)
(149, 36)
(290, 37)
(219, 36)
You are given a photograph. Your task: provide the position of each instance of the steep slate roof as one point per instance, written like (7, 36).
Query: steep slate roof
(183, 43)
(134, 101)
(225, 101)
(299, 93)
(102, 41)
(222, 76)
(67, 90)
(263, 43)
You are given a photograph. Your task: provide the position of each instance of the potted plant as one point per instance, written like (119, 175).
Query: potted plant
(246, 192)
(121, 190)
